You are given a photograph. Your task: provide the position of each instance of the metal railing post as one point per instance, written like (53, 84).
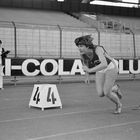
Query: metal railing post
(15, 45)
(134, 48)
(15, 38)
(60, 51)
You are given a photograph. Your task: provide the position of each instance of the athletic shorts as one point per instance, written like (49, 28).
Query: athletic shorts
(111, 65)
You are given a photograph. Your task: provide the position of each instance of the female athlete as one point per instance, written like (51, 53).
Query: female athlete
(96, 60)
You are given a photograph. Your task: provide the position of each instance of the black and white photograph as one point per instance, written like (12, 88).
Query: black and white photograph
(69, 69)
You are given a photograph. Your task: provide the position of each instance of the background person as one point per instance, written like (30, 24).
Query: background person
(3, 55)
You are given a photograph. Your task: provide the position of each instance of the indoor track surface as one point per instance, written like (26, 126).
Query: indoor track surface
(84, 115)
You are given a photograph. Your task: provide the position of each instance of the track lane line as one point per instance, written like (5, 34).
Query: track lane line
(85, 130)
(63, 114)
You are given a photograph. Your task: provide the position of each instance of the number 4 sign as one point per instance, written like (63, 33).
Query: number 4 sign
(45, 96)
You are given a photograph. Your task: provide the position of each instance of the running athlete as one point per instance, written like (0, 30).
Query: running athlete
(96, 60)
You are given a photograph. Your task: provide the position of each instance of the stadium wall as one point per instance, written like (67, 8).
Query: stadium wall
(42, 43)
(37, 41)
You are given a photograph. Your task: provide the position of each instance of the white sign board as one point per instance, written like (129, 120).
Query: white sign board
(45, 96)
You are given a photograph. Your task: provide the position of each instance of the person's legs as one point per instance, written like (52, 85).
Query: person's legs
(100, 79)
(1, 77)
(110, 78)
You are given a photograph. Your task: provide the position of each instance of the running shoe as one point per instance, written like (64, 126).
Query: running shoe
(118, 109)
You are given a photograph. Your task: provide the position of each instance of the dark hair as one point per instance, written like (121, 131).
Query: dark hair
(0, 42)
(84, 40)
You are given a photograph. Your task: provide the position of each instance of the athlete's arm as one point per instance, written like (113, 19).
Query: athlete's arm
(87, 80)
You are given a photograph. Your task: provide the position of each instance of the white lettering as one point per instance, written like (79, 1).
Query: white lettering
(61, 68)
(131, 67)
(50, 67)
(26, 63)
(121, 70)
(77, 68)
(8, 67)
(43, 67)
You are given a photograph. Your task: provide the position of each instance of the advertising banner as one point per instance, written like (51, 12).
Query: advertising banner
(50, 67)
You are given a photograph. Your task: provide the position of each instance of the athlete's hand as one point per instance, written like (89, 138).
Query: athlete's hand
(86, 69)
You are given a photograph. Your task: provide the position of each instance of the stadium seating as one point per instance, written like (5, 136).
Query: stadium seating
(39, 17)
(38, 32)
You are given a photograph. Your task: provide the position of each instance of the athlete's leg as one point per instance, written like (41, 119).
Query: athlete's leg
(116, 89)
(110, 78)
(100, 79)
